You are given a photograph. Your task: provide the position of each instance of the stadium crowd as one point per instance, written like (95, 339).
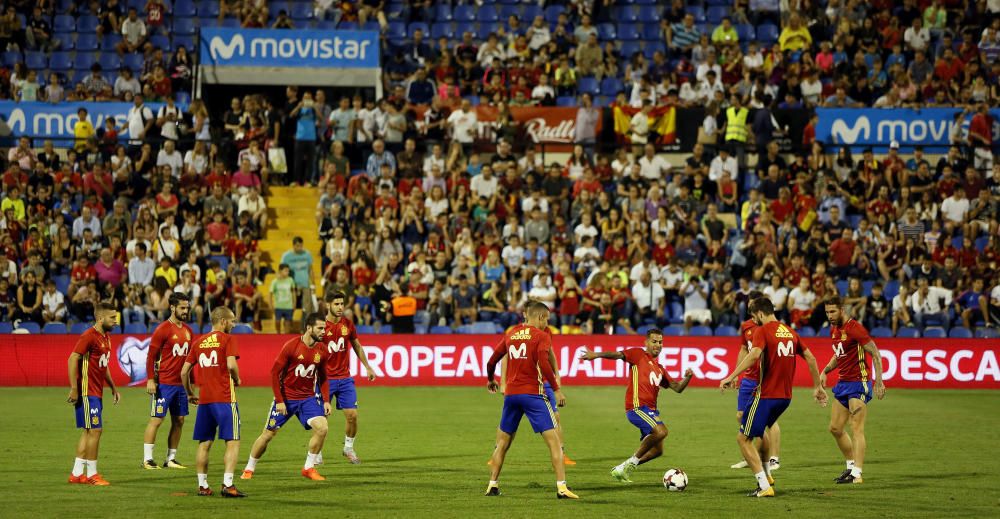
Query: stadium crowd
(425, 223)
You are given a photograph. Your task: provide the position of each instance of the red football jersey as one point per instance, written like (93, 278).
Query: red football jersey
(848, 347)
(209, 355)
(95, 350)
(527, 350)
(340, 336)
(168, 349)
(646, 377)
(297, 370)
(780, 345)
(746, 341)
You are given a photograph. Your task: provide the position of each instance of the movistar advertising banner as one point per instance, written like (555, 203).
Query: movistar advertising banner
(289, 48)
(47, 120)
(876, 127)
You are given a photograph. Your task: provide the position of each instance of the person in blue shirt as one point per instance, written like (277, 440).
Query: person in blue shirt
(300, 261)
(305, 140)
(971, 303)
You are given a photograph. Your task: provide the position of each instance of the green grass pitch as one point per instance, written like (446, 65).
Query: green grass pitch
(424, 452)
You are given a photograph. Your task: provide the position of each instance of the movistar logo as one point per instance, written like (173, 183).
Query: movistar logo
(842, 134)
(222, 50)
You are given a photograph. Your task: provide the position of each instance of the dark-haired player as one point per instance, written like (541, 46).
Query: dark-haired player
(168, 349)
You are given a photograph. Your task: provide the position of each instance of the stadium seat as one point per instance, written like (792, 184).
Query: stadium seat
(530, 12)
(133, 61)
(767, 33)
(29, 326)
(935, 332)
(716, 13)
(420, 329)
(36, 60)
(185, 26)
(110, 41)
(891, 289)
(842, 286)
(908, 333)
(242, 329)
(208, 8)
(489, 28)
(566, 101)
(385, 329)
(610, 86)
(78, 328)
(441, 330)
(987, 333)
(651, 32)
(160, 41)
(606, 32)
(484, 327)
(642, 330)
(365, 330)
(109, 62)
(621, 330)
(960, 332)
(628, 31)
(806, 331)
(698, 12)
(87, 23)
(649, 13)
(186, 41)
(676, 313)
(396, 31)
(6, 327)
(442, 13)
(587, 85)
(629, 49)
(205, 328)
(442, 30)
(83, 61)
(135, 329)
(54, 329)
(182, 98)
(700, 331)
(86, 42)
(674, 331)
(412, 28)
(464, 13)
(506, 11)
(726, 331)
(301, 11)
(64, 23)
(746, 32)
(230, 23)
(652, 47)
(881, 332)
(552, 13)
(823, 332)
(625, 14)
(464, 27)
(184, 8)
(487, 14)
(60, 61)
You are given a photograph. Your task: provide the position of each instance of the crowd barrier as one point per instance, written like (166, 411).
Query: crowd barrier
(460, 360)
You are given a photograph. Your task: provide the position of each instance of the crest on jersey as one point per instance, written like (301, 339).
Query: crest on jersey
(317, 358)
(843, 336)
(95, 420)
(343, 330)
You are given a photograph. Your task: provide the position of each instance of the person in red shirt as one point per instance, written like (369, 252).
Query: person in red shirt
(783, 207)
(88, 372)
(298, 370)
(843, 253)
(616, 252)
(98, 182)
(341, 337)
(526, 348)
(646, 377)
(218, 375)
(852, 347)
(981, 137)
(774, 347)
(168, 348)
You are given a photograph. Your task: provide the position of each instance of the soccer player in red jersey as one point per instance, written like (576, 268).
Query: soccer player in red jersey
(646, 377)
(340, 332)
(299, 368)
(218, 375)
(168, 349)
(748, 385)
(526, 347)
(774, 346)
(88, 372)
(852, 347)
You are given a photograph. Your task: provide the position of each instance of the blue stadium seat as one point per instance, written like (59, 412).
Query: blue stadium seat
(60, 61)
(78, 328)
(87, 23)
(651, 32)
(184, 8)
(83, 61)
(746, 32)
(365, 330)
(629, 49)
(230, 23)
(506, 11)
(133, 61)
(552, 13)
(160, 41)
(185, 26)
(625, 14)
(205, 328)
(674, 331)
(987, 333)
(823, 332)
(716, 13)
(587, 85)
(182, 98)
(35, 60)
(891, 289)
(442, 13)
(960, 332)
(566, 101)
(464, 13)
(628, 31)
(642, 330)
(698, 12)
(719, 2)
(652, 47)
(487, 14)
(29, 326)
(109, 62)
(6, 327)
(726, 331)
(767, 33)
(54, 329)
(676, 313)
(881, 331)
(64, 23)
(396, 31)
(621, 330)
(186, 41)
(441, 330)
(935, 332)
(866, 286)
(385, 329)
(610, 86)
(442, 30)
(86, 42)
(606, 32)
(420, 329)
(806, 331)
(242, 329)
(208, 8)
(394, 10)
(649, 13)
(842, 286)
(135, 329)
(531, 12)
(301, 11)
(700, 331)
(412, 28)
(981, 243)
(487, 28)
(110, 41)
(484, 327)
(908, 333)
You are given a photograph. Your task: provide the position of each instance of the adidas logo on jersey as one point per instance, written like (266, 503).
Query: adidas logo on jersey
(783, 332)
(522, 335)
(301, 357)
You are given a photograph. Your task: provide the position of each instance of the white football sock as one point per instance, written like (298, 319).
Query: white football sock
(310, 460)
(319, 458)
(203, 480)
(856, 472)
(91, 467)
(560, 484)
(252, 464)
(227, 479)
(171, 454)
(633, 461)
(762, 480)
(147, 451)
(348, 443)
(79, 466)
(850, 464)
(494, 483)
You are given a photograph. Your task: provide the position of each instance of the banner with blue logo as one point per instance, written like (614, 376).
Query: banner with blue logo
(227, 47)
(47, 120)
(861, 128)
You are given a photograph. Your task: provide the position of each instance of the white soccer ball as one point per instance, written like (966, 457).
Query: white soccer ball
(675, 480)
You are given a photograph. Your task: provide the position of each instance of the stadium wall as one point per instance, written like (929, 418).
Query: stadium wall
(459, 360)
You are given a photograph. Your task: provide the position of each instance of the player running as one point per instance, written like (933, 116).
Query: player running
(339, 332)
(218, 375)
(88, 372)
(299, 368)
(748, 384)
(774, 347)
(526, 347)
(852, 347)
(168, 349)
(646, 377)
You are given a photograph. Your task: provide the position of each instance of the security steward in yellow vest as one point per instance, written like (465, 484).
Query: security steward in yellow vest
(736, 131)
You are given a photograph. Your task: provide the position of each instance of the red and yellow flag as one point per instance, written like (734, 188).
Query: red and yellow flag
(663, 121)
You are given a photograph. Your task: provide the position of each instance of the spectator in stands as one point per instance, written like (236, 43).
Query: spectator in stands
(133, 31)
(930, 303)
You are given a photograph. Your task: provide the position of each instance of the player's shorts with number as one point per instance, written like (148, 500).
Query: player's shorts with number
(343, 392)
(217, 417)
(540, 415)
(168, 398)
(551, 395)
(88, 412)
(748, 387)
(305, 410)
(761, 414)
(845, 391)
(645, 419)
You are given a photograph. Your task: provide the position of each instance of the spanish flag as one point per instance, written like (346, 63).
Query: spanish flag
(663, 121)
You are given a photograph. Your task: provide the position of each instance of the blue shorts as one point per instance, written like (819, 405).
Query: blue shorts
(845, 391)
(645, 419)
(539, 413)
(748, 387)
(305, 409)
(88, 412)
(283, 313)
(168, 398)
(343, 390)
(761, 414)
(551, 395)
(218, 416)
